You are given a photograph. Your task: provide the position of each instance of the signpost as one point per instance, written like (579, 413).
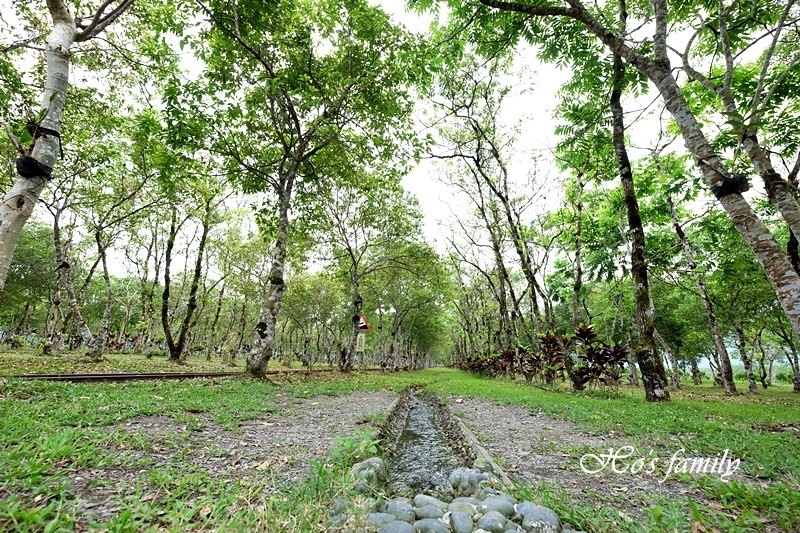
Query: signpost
(360, 340)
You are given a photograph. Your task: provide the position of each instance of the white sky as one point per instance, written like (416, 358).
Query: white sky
(437, 199)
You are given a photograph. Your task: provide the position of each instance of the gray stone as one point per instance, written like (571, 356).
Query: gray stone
(508, 498)
(466, 499)
(370, 472)
(482, 464)
(374, 464)
(339, 506)
(361, 488)
(431, 525)
(496, 503)
(338, 519)
(376, 520)
(461, 522)
(369, 505)
(538, 519)
(430, 511)
(488, 491)
(463, 507)
(397, 527)
(493, 522)
(421, 500)
(401, 509)
(467, 482)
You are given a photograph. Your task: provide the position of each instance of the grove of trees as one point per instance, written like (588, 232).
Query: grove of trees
(224, 178)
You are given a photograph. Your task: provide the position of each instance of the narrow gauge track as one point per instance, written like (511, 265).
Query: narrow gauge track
(134, 376)
(127, 376)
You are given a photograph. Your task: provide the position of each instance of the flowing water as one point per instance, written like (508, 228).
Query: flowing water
(423, 460)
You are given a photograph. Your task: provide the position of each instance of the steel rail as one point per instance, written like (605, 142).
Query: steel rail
(134, 376)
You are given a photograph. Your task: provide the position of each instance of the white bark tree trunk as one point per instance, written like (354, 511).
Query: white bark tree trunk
(18, 204)
(20, 201)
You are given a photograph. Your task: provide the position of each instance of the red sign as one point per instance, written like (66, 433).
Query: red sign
(362, 323)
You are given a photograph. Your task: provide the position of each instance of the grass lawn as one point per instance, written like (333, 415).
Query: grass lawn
(51, 432)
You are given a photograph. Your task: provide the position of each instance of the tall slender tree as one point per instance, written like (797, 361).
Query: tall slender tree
(37, 160)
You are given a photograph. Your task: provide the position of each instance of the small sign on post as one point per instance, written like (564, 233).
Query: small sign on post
(360, 341)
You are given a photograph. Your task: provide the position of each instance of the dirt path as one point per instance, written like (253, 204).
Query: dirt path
(535, 448)
(279, 445)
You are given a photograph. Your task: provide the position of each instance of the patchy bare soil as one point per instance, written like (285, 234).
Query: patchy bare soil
(279, 445)
(534, 448)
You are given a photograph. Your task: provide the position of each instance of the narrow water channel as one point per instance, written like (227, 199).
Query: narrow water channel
(423, 460)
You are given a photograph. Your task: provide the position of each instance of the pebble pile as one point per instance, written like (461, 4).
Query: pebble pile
(472, 506)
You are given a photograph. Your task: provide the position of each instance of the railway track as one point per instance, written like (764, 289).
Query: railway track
(141, 376)
(127, 376)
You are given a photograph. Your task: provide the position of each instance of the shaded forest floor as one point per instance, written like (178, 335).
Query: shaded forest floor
(237, 454)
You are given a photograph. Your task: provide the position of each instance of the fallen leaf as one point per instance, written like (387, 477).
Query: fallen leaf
(314, 403)
(621, 489)
(264, 465)
(624, 516)
(716, 506)
(205, 511)
(38, 498)
(698, 528)
(148, 497)
(235, 460)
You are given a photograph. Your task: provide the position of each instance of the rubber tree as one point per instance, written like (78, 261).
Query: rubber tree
(651, 364)
(37, 160)
(540, 22)
(726, 371)
(470, 98)
(315, 79)
(587, 100)
(368, 226)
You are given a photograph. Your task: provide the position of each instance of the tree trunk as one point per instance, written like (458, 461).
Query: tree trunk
(146, 296)
(508, 319)
(65, 279)
(793, 246)
(696, 379)
(778, 191)
(746, 361)
(98, 346)
(20, 201)
(177, 351)
(165, 319)
(264, 336)
(671, 357)
(726, 372)
(346, 362)
(578, 284)
(211, 343)
(785, 281)
(654, 376)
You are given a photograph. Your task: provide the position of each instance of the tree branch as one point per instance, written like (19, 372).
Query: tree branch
(100, 22)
